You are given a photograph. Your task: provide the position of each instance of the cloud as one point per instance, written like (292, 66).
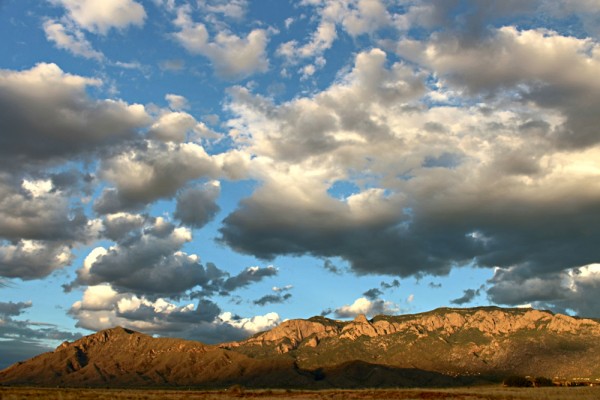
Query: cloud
(155, 264)
(233, 57)
(179, 127)
(235, 9)
(248, 276)
(197, 206)
(554, 72)
(31, 259)
(20, 339)
(569, 291)
(100, 16)
(103, 307)
(51, 117)
(467, 297)
(11, 309)
(176, 102)
(373, 294)
(152, 171)
(392, 285)
(280, 296)
(491, 187)
(272, 299)
(355, 17)
(370, 308)
(328, 265)
(70, 39)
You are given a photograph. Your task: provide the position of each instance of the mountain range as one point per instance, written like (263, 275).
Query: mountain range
(443, 347)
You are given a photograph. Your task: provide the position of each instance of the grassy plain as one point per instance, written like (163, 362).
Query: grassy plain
(473, 393)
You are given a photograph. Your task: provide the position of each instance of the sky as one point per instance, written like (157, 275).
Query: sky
(206, 169)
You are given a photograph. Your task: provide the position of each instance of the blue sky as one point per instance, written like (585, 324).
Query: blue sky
(207, 169)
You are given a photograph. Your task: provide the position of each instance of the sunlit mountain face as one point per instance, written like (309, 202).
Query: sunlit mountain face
(210, 169)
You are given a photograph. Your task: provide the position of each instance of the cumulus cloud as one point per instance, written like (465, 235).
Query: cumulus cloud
(102, 307)
(197, 206)
(100, 16)
(370, 308)
(469, 188)
(40, 224)
(149, 172)
(37, 210)
(32, 259)
(155, 263)
(50, 116)
(554, 71)
(179, 126)
(233, 57)
(569, 291)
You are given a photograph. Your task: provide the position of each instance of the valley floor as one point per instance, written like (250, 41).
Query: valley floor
(474, 393)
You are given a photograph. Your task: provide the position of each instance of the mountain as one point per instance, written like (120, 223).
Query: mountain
(443, 347)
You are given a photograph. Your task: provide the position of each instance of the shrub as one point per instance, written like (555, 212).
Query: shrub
(517, 381)
(540, 381)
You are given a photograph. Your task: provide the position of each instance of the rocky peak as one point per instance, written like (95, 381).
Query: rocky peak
(361, 319)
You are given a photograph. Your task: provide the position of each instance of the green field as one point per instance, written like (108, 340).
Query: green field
(475, 393)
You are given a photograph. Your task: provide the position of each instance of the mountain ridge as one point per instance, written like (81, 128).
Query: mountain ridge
(444, 347)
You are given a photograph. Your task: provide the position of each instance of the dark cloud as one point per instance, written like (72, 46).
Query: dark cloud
(248, 276)
(569, 291)
(34, 210)
(28, 259)
(11, 309)
(467, 297)
(154, 263)
(331, 267)
(280, 296)
(272, 299)
(46, 115)
(392, 285)
(165, 168)
(197, 206)
(372, 294)
(434, 285)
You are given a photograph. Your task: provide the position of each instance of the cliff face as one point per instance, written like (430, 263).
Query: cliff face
(422, 349)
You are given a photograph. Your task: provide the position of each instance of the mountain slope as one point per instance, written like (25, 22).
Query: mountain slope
(443, 347)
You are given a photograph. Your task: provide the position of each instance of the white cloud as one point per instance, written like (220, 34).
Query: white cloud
(370, 308)
(102, 307)
(70, 39)
(176, 126)
(99, 16)
(176, 102)
(232, 56)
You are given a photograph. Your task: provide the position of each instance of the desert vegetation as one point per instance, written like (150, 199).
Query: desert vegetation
(238, 392)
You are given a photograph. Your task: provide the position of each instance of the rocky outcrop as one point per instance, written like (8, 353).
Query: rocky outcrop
(491, 322)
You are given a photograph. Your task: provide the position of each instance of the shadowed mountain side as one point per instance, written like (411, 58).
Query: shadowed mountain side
(444, 347)
(120, 357)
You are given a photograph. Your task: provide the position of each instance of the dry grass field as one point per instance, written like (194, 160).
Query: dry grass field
(475, 393)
